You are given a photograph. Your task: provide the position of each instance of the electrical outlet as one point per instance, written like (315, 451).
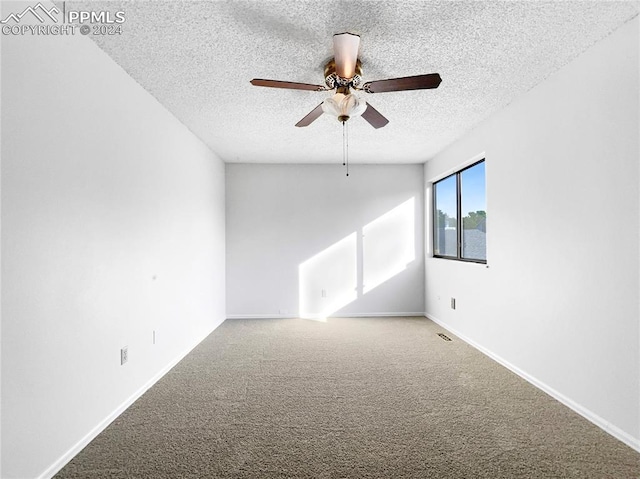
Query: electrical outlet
(453, 303)
(124, 355)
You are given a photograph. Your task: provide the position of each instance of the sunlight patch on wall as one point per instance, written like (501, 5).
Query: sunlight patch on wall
(328, 280)
(388, 245)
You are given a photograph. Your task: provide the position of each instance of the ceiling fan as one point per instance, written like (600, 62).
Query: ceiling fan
(343, 73)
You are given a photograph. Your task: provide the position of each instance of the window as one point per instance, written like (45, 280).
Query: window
(460, 215)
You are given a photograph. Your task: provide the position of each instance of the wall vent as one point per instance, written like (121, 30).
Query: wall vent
(444, 336)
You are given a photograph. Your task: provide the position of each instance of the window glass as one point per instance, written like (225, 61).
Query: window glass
(445, 220)
(460, 215)
(474, 212)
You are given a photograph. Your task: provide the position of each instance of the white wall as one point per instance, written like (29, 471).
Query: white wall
(294, 230)
(112, 227)
(559, 299)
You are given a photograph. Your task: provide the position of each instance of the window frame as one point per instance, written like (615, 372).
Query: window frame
(459, 222)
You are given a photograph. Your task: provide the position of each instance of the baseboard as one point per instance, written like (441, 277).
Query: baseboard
(91, 435)
(261, 316)
(380, 315)
(347, 315)
(603, 424)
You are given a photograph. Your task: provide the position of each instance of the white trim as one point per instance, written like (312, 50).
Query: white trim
(603, 424)
(379, 315)
(261, 316)
(347, 315)
(54, 468)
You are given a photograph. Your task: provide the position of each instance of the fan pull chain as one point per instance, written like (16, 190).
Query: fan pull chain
(344, 143)
(347, 148)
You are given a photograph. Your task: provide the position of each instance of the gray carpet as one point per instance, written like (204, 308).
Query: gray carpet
(361, 398)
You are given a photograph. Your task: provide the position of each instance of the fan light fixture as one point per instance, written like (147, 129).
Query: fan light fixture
(344, 106)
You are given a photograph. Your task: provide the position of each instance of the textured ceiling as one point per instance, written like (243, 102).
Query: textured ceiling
(197, 59)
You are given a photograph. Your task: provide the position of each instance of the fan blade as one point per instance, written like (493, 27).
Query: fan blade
(418, 82)
(345, 52)
(287, 84)
(374, 117)
(311, 116)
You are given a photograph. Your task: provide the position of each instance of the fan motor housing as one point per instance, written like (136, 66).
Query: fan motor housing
(332, 80)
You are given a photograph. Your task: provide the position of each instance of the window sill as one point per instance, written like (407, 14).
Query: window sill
(461, 260)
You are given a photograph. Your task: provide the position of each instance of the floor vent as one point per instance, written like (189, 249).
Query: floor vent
(444, 336)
